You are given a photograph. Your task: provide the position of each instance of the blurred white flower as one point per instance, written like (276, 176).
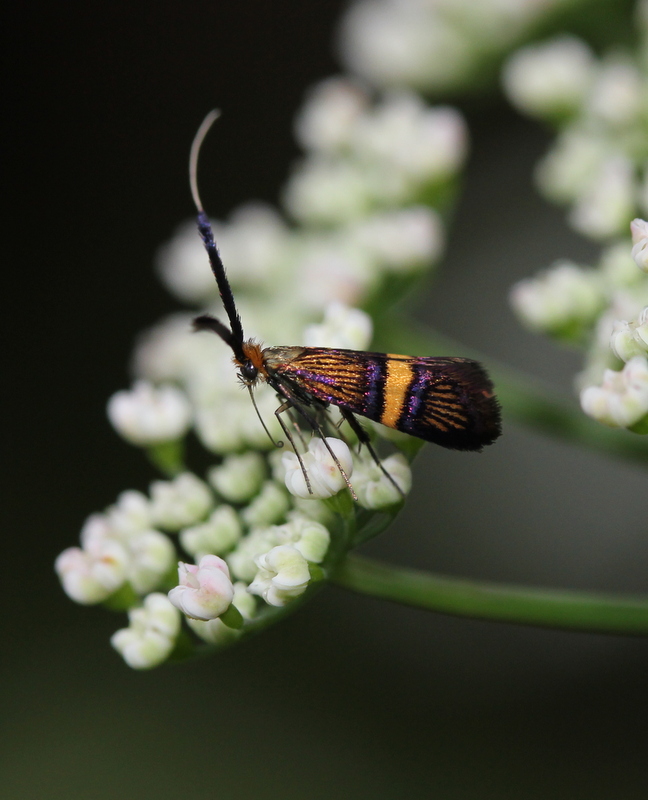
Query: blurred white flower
(268, 507)
(402, 240)
(181, 502)
(550, 79)
(323, 473)
(617, 266)
(150, 415)
(608, 202)
(329, 114)
(183, 265)
(239, 477)
(560, 300)
(343, 327)
(282, 575)
(326, 191)
(152, 555)
(411, 42)
(373, 487)
(151, 635)
(639, 230)
(622, 399)
(130, 514)
(617, 94)
(214, 631)
(92, 574)
(218, 535)
(205, 590)
(566, 171)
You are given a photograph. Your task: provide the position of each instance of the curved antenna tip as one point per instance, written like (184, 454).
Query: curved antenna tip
(202, 131)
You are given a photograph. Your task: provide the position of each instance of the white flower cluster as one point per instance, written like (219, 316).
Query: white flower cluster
(440, 45)
(597, 164)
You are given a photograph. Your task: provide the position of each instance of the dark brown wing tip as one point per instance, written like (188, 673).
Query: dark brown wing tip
(480, 400)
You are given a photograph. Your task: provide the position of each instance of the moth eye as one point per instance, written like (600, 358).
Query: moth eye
(248, 371)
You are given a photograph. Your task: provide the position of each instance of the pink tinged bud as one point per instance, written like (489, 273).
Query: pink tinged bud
(92, 576)
(205, 590)
(639, 230)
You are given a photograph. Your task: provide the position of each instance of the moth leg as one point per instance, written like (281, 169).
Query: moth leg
(364, 439)
(295, 423)
(286, 407)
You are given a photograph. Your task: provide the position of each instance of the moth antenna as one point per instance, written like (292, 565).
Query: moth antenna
(207, 235)
(193, 155)
(278, 443)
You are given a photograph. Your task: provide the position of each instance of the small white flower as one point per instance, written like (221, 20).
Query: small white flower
(608, 202)
(342, 328)
(616, 96)
(560, 300)
(242, 560)
(618, 267)
(149, 415)
(215, 631)
(329, 114)
(283, 575)
(565, 173)
(373, 487)
(622, 399)
(550, 79)
(630, 339)
(130, 514)
(181, 502)
(218, 535)
(323, 473)
(403, 240)
(152, 556)
(268, 507)
(90, 576)
(639, 229)
(323, 191)
(205, 590)
(239, 477)
(151, 635)
(311, 538)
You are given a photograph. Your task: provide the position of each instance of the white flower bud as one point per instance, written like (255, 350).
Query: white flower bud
(149, 415)
(630, 339)
(403, 240)
(239, 477)
(607, 205)
(639, 229)
(373, 487)
(268, 507)
(343, 328)
(205, 590)
(130, 514)
(92, 576)
(214, 631)
(560, 300)
(218, 535)
(327, 192)
(181, 502)
(152, 556)
(242, 560)
(283, 575)
(309, 537)
(329, 114)
(151, 635)
(618, 267)
(550, 79)
(323, 473)
(616, 96)
(622, 399)
(565, 173)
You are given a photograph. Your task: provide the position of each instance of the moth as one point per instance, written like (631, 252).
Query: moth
(445, 400)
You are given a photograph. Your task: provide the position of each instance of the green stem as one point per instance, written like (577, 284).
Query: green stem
(524, 399)
(570, 610)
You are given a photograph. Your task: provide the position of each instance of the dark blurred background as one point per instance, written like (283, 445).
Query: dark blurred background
(352, 696)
